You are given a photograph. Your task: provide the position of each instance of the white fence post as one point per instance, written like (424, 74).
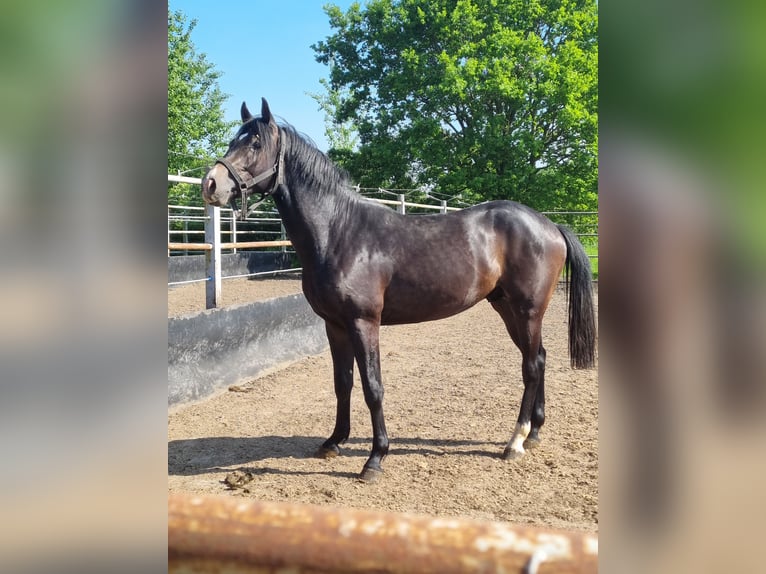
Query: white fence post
(402, 209)
(233, 229)
(213, 257)
(444, 206)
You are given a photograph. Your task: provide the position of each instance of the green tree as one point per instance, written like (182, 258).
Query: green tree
(341, 136)
(197, 131)
(488, 98)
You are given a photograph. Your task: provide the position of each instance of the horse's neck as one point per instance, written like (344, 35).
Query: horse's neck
(308, 234)
(312, 217)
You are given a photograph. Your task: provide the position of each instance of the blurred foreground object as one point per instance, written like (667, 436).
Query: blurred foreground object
(682, 284)
(82, 345)
(683, 368)
(211, 534)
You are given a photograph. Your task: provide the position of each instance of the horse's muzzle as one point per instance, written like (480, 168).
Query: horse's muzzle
(208, 186)
(211, 193)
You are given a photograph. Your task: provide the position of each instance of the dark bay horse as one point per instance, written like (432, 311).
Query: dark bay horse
(364, 265)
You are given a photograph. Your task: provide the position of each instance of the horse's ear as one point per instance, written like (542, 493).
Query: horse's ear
(246, 115)
(266, 112)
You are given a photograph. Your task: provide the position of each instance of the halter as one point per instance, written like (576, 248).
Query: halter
(248, 183)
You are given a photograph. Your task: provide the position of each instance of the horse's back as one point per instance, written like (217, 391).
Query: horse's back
(446, 264)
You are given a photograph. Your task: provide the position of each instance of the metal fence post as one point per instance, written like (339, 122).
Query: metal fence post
(444, 206)
(213, 257)
(402, 209)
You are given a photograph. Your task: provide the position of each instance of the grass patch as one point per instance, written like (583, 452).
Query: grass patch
(592, 250)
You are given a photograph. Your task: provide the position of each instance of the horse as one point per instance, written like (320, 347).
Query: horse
(365, 265)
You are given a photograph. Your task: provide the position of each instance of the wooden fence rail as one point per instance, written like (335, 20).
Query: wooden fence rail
(228, 245)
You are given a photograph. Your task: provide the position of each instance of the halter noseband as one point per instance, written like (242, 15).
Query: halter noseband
(248, 183)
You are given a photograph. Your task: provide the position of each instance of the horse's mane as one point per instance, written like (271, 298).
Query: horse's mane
(307, 167)
(311, 168)
(308, 171)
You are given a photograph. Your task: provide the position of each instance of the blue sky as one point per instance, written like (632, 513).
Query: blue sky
(263, 49)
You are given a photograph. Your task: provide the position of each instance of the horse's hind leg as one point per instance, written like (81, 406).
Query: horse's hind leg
(524, 327)
(343, 373)
(532, 369)
(538, 411)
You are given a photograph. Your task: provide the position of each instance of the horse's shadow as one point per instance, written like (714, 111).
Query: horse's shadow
(189, 457)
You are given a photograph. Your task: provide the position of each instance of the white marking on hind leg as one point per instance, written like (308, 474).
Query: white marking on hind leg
(520, 434)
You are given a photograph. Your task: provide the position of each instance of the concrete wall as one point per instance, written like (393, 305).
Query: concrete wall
(219, 347)
(188, 267)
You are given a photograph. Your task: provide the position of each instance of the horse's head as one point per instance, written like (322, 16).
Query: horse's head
(253, 162)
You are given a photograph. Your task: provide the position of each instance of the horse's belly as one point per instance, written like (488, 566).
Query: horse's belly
(443, 292)
(398, 311)
(400, 318)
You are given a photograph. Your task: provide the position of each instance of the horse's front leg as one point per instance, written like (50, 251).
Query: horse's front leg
(343, 373)
(365, 339)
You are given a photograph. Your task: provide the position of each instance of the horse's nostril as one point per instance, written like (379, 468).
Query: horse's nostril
(210, 185)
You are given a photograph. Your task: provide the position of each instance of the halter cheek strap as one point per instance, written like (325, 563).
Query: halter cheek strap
(249, 182)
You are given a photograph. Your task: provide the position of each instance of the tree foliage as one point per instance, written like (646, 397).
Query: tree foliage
(341, 136)
(197, 131)
(487, 98)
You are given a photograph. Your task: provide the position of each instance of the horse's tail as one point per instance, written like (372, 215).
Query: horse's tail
(582, 320)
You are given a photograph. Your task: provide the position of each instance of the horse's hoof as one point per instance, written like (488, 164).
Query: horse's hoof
(327, 452)
(370, 475)
(510, 454)
(532, 442)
